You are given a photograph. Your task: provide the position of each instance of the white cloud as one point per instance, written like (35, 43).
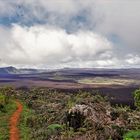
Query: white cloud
(50, 46)
(70, 33)
(133, 59)
(121, 18)
(106, 17)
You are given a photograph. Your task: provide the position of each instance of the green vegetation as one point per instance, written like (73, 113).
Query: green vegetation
(135, 123)
(49, 114)
(54, 129)
(25, 131)
(132, 135)
(137, 98)
(7, 107)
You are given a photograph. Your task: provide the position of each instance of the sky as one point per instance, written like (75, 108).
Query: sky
(70, 33)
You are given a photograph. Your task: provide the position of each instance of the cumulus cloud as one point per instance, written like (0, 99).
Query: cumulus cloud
(91, 33)
(45, 45)
(133, 59)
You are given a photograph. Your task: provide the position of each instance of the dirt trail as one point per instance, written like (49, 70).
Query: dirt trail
(14, 132)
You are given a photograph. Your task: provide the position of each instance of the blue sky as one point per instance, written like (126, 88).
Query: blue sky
(69, 33)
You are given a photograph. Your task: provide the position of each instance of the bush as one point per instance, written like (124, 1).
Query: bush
(132, 135)
(54, 129)
(137, 98)
(2, 103)
(114, 115)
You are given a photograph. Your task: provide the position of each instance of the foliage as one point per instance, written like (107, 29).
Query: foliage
(137, 98)
(46, 112)
(9, 108)
(24, 129)
(132, 135)
(2, 103)
(54, 128)
(4, 100)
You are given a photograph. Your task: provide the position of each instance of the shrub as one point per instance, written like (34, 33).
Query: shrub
(132, 135)
(137, 98)
(114, 115)
(98, 98)
(2, 103)
(54, 129)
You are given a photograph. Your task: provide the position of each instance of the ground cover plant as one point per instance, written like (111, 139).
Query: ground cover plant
(7, 107)
(51, 114)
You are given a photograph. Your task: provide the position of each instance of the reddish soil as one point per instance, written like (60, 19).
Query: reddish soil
(14, 120)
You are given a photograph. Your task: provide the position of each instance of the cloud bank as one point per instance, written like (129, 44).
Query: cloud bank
(69, 33)
(52, 46)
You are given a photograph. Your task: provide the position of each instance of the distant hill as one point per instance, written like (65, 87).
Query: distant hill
(8, 70)
(71, 71)
(13, 70)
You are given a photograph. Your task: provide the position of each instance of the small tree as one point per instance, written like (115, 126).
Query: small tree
(137, 98)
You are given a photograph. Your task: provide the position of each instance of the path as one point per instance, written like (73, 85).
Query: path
(14, 132)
